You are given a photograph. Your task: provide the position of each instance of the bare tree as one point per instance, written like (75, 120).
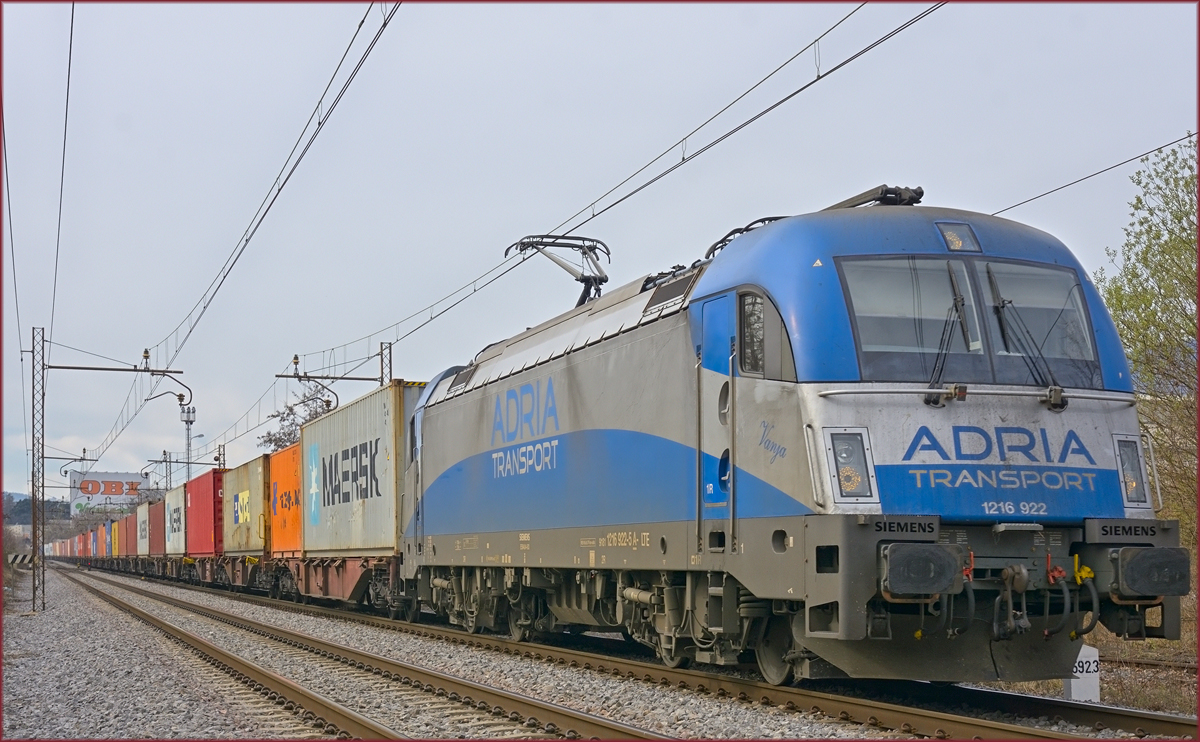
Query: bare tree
(307, 407)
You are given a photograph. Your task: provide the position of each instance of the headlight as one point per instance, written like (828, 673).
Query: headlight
(1132, 483)
(850, 458)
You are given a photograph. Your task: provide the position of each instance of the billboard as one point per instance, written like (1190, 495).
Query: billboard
(105, 492)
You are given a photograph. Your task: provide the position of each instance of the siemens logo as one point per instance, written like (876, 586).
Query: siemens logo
(903, 526)
(1128, 531)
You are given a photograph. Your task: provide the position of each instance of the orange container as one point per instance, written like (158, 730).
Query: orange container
(286, 503)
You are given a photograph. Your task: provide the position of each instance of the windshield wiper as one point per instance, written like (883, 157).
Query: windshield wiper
(957, 309)
(1016, 336)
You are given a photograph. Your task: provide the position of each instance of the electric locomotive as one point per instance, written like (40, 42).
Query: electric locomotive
(881, 440)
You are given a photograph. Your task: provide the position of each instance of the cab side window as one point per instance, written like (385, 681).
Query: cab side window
(750, 328)
(764, 348)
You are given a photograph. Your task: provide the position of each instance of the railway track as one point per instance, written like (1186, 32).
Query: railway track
(501, 713)
(899, 717)
(1145, 662)
(321, 712)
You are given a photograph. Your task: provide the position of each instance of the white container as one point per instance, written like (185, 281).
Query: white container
(143, 529)
(175, 522)
(352, 473)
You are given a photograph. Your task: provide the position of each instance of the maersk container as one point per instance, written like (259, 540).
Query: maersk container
(205, 534)
(245, 507)
(143, 529)
(158, 528)
(175, 522)
(353, 462)
(286, 505)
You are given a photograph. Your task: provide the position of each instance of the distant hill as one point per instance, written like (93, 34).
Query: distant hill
(16, 495)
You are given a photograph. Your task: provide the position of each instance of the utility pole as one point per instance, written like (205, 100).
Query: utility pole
(37, 480)
(188, 416)
(385, 363)
(37, 494)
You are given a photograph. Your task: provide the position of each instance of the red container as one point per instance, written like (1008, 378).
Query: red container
(158, 528)
(205, 504)
(129, 535)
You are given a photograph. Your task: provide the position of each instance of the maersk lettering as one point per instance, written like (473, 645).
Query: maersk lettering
(903, 526)
(350, 474)
(1126, 531)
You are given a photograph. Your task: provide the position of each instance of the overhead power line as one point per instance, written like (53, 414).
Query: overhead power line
(473, 287)
(62, 172)
(12, 251)
(710, 119)
(1098, 172)
(688, 158)
(169, 348)
(495, 273)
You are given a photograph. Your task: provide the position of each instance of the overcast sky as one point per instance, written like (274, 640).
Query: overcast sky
(470, 126)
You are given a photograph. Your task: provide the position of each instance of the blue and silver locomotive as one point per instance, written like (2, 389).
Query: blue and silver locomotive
(882, 440)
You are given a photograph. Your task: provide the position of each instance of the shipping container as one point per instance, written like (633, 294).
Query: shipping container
(90, 544)
(353, 459)
(143, 529)
(158, 528)
(204, 514)
(129, 535)
(175, 522)
(106, 534)
(287, 508)
(245, 507)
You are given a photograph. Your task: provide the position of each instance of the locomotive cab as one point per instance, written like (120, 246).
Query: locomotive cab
(974, 471)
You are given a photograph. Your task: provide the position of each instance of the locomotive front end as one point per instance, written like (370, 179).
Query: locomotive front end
(981, 493)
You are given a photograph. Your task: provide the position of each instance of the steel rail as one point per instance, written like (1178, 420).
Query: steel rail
(344, 719)
(1100, 717)
(901, 718)
(553, 717)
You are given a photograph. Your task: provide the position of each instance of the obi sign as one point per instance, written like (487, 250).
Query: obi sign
(104, 492)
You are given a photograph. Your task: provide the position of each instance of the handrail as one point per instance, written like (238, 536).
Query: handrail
(1040, 394)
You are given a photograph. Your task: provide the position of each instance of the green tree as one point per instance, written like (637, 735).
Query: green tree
(1152, 297)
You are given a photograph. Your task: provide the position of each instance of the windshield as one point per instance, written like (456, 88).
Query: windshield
(1049, 303)
(996, 322)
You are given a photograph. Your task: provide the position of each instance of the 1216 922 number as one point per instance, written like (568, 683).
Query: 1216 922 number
(1008, 507)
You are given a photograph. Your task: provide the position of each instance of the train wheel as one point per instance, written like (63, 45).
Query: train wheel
(516, 631)
(774, 645)
(411, 611)
(673, 658)
(470, 624)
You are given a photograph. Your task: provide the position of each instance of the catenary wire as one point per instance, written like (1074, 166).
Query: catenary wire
(135, 403)
(521, 258)
(915, 19)
(475, 285)
(89, 353)
(12, 251)
(62, 172)
(1098, 172)
(710, 119)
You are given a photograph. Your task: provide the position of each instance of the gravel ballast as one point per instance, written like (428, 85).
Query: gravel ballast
(670, 711)
(81, 669)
